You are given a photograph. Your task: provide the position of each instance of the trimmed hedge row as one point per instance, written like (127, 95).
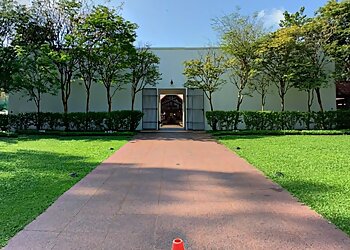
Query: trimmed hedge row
(126, 120)
(223, 133)
(287, 120)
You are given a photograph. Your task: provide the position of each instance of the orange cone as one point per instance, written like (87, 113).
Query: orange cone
(178, 244)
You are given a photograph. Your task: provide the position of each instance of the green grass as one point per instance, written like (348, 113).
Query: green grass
(316, 169)
(34, 172)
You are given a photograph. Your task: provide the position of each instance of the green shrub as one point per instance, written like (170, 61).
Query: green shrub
(222, 120)
(286, 120)
(124, 120)
(4, 122)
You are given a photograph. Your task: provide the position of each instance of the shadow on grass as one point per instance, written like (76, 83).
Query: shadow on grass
(32, 180)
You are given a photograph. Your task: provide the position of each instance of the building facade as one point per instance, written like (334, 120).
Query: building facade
(170, 104)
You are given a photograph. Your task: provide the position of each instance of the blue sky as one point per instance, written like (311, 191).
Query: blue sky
(187, 23)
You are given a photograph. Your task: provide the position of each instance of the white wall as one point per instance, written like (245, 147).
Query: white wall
(171, 66)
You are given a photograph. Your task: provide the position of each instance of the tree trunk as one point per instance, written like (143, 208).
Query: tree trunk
(310, 99)
(133, 94)
(211, 104)
(319, 100)
(309, 104)
(238, 106)
(214, 122)
(282, 102)
(109, 99)
(38, 121)
(262, 102)
(239, 101)
(65, 106)
(87, 108)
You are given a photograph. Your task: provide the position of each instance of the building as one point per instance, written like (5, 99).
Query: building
(170, 104)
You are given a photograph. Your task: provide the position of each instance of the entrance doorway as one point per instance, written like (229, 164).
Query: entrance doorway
(171, 110)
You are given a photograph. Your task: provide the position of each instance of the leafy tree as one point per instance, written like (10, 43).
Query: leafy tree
(239, 39)
(310, 65)
(144, 71)
(114, 44)
(312, 75)
(9, 14)
(36, 75)
(205, 73)
(334, 20)
(59, 17)
(261, 84)
(278, 53)
(84, 41)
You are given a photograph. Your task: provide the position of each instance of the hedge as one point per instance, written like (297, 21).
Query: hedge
(125, 120)
(279, 132)
(286, 120)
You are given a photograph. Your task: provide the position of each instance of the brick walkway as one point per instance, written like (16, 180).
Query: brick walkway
(167, 185)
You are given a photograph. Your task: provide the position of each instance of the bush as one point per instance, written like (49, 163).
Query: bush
(286, 120)
(4, 122)
(222, 120)
(124, 120)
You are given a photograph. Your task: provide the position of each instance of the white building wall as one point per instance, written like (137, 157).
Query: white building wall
(171, 66)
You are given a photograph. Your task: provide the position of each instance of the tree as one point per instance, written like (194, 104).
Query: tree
(261, 85)
(334, 19)
(278, 53)
(310, 67)
(35, 76)
(312, 75)
(84, 42)
(205, 73)
(59, 16)
(114, 43)
(10, 13)
(239, 38)
(144, 71)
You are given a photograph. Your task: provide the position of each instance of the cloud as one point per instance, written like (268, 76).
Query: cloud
(271, 18)
(26, 2)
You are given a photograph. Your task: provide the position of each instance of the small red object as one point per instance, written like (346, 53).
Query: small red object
(178, 244)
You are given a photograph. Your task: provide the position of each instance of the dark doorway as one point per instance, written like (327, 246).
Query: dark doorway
(172, 110)
(343, 95)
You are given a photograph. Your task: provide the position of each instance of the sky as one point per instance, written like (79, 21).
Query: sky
(188, 23)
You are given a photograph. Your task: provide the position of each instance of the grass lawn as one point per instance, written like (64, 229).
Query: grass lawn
(35, 171)
(316, 169)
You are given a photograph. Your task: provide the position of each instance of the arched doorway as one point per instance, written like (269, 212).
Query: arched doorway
(171, 111)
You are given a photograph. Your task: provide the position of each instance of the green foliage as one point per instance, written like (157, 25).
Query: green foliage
(309, 71)
(35, 171)
(314, 169)
(144, 71)
(286, 120)
(10, 14)
(36, 75)
(287, 56)
(56, 133)
(221, 134)
(334, 19)
(92, 121)
(222, 120)
(239, 40)
(114, 39)
(205, 73)
(3, 106)
(60, 51)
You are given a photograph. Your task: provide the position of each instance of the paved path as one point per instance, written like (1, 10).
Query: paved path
(162, 186)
